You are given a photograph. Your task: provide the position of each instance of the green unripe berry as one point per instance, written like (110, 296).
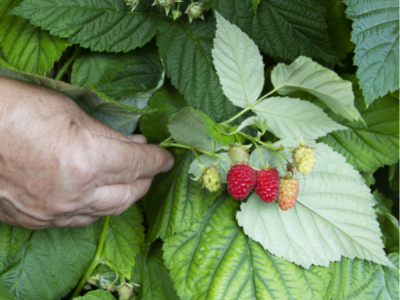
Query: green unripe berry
(211, 178)
(195, 11)
(166, 3)
(304, 159)
(238, 154)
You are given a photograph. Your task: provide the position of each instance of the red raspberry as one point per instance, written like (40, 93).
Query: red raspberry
(288, 191)
(267, 186)
(241, 179)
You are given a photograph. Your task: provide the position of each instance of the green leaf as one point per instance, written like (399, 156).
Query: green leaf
(339, 27)
(97, 295)
(289, 117)
(185, 49)
(51, 263)
(376, 35)
(388, 223)
(215, 260)
(4, 293)
(223, 165)
(333, 216)
(371, 147)
(384, 284)
(96, 67)
(259, 122)
(255, 5)
(166, 102)
(152, 276)
(124, 235)
(394, 177)
(12, 238)
(106, 25)
(140, 74)
(26, 47)
(196, 129)
(282, 28)
(305, 75)
(347, 276)
(238, 63)
(175, 200)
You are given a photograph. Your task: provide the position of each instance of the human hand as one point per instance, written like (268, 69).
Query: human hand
(60, 167)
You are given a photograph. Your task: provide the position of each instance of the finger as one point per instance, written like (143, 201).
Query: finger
(115, 199)
(96, 127)
(123, 162)
(137, 138)
(75, 221)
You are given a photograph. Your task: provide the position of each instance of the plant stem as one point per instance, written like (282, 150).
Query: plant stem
(96, 260)
(67, 64)
(212, 154)
(251, 105)
(259, 151)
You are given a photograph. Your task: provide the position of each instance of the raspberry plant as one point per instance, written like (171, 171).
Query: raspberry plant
(263, 77)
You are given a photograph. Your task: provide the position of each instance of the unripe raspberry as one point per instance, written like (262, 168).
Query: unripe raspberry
(241, 179)
(211, 178)
(304, 159)
(288, 191)
(125, 291)
(166, 4)
(132, 3)
(238, 154)
(195, 11)
(267, 186)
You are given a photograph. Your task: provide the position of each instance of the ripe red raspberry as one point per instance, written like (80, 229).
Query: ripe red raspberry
(288, 191)
(267, 186)
(241, 179)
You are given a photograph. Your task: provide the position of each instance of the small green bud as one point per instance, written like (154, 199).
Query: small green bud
(211, 178)
(195, 11)
(125, 291)
(238, 154)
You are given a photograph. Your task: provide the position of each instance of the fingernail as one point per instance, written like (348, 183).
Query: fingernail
(168, 166)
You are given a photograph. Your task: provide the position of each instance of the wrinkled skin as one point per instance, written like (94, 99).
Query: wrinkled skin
(60, 167)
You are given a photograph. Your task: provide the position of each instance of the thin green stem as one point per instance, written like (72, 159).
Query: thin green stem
(67, 64)
(259, 151)
(277, 156)
(197, 156)
(96, 260)
(212, 154)
(251, 105)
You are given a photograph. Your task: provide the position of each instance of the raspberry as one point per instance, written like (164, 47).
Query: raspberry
(267, 186)
(195, 11)
(211, 178)
(304, 159)
(241, 179)
(125, 291)
(288, 191)
(238, 154)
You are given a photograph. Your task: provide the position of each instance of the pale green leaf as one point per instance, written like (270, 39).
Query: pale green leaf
(185, 49)
(259, 122)
(12, 238)
(384, 284)
(371, 147)
(166, 103)
(238, 63)
(223, 165)
(282, 28)
(96, 67)
(99, 25)
(305, 75)
(215, 260)
(97, 295)
(347, 276)
(333, 217)
(124, 235)
(51, 263)
(376, 35)
(175, 200)
(25, 46)
(152, 276)
(289, 117)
